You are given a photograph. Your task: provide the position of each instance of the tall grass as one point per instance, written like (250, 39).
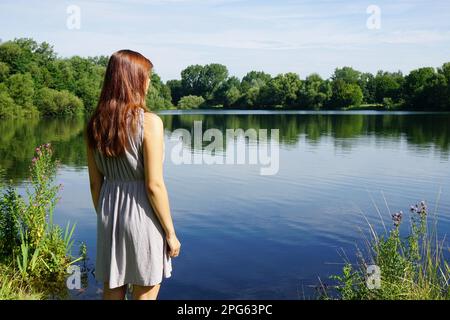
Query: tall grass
(414, 267)
(34, 252)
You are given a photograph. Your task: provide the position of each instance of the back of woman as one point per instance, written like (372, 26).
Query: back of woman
(135, 234)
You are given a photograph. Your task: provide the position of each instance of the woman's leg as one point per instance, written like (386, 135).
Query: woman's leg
(114, 294)
(145, 293)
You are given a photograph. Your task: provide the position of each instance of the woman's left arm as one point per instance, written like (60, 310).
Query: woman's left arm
(95, 176)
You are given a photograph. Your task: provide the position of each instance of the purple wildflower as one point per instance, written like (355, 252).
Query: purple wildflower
(397, 218)
(419, 208)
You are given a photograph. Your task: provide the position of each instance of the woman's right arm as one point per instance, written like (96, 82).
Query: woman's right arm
(153, 148)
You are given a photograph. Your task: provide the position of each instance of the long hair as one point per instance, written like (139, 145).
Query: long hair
(123, 94)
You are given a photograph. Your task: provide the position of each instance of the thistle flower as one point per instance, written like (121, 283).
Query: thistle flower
(397, 218)
(419, 208)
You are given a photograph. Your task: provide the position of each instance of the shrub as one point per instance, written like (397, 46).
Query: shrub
(190, 102)
(413, 267)
(34, 251)
(52, 102)
(8, 108)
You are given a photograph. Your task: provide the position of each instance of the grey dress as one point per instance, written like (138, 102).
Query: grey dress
(131, 245)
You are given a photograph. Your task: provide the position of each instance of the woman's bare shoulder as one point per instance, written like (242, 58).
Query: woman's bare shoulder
(152, 122)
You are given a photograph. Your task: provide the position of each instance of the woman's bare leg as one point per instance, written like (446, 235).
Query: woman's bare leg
(114, 294)
(145, 293)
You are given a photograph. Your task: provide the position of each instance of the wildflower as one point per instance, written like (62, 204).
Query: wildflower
(397, 218)
(419, 208)
(34, 160)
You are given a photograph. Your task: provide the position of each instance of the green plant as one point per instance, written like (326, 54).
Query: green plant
(10, 207)
(411, 267)
(32, 247)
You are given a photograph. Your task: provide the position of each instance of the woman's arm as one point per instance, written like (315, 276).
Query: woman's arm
(156, 188)
(95, 176)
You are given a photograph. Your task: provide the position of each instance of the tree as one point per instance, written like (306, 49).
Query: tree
(387, 85)
(158, 95)
(367, 85)
(281, 91)
(203, 80)
(51, 102)
(314, 92)
(191, 80)
(21, 89)
(416, 88)
(346, 87)
(251, 85)
(7, 106)
(213, 76)
(190, 102)
(228, 93)
(4, 71)
(176, 90)
(346, 74)
(345, 95)
(254, 79)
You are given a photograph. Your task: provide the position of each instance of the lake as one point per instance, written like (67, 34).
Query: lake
(250, 236)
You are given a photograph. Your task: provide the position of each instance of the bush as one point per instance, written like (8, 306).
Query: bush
(413, 267)
(190, 102)
(51, 102)
(33, 250)
(8, 108)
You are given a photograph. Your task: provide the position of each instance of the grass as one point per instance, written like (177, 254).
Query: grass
(414, 267)
(34, 252)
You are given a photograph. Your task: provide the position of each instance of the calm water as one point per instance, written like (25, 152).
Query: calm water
(245, 235)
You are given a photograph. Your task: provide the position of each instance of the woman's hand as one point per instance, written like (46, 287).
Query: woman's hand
(174, 245)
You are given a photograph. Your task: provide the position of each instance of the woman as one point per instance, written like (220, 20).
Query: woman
(125, 150)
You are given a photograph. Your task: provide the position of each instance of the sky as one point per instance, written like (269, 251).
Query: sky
(274, 36)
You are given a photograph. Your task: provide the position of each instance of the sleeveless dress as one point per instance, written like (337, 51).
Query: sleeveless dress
(131, 244)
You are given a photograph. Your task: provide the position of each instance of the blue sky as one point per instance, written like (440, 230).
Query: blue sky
(274, 36)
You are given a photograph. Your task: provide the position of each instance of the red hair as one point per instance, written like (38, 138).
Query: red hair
(123, 92)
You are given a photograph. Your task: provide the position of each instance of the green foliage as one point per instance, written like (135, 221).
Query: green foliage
(21, 90)
(345, 95)
(51, 102)
(176, 90)
(190, 102)
(413, 267)
(281, 91)
(34, 251)
(9, 221)
(314, 92)
(158, 96)
(4, 71)
(203, 80)
(12, 286)
(35, 78)
(28, 70)
(426, 89)
(8, 108)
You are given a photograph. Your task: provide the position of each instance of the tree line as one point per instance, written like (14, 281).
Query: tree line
(35, 81)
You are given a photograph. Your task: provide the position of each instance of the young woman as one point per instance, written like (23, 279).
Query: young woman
(125, 150)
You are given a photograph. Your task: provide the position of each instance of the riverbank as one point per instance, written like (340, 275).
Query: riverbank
(35, 253)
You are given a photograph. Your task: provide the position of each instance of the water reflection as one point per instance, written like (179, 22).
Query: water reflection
(230, 219)
(423, 131)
